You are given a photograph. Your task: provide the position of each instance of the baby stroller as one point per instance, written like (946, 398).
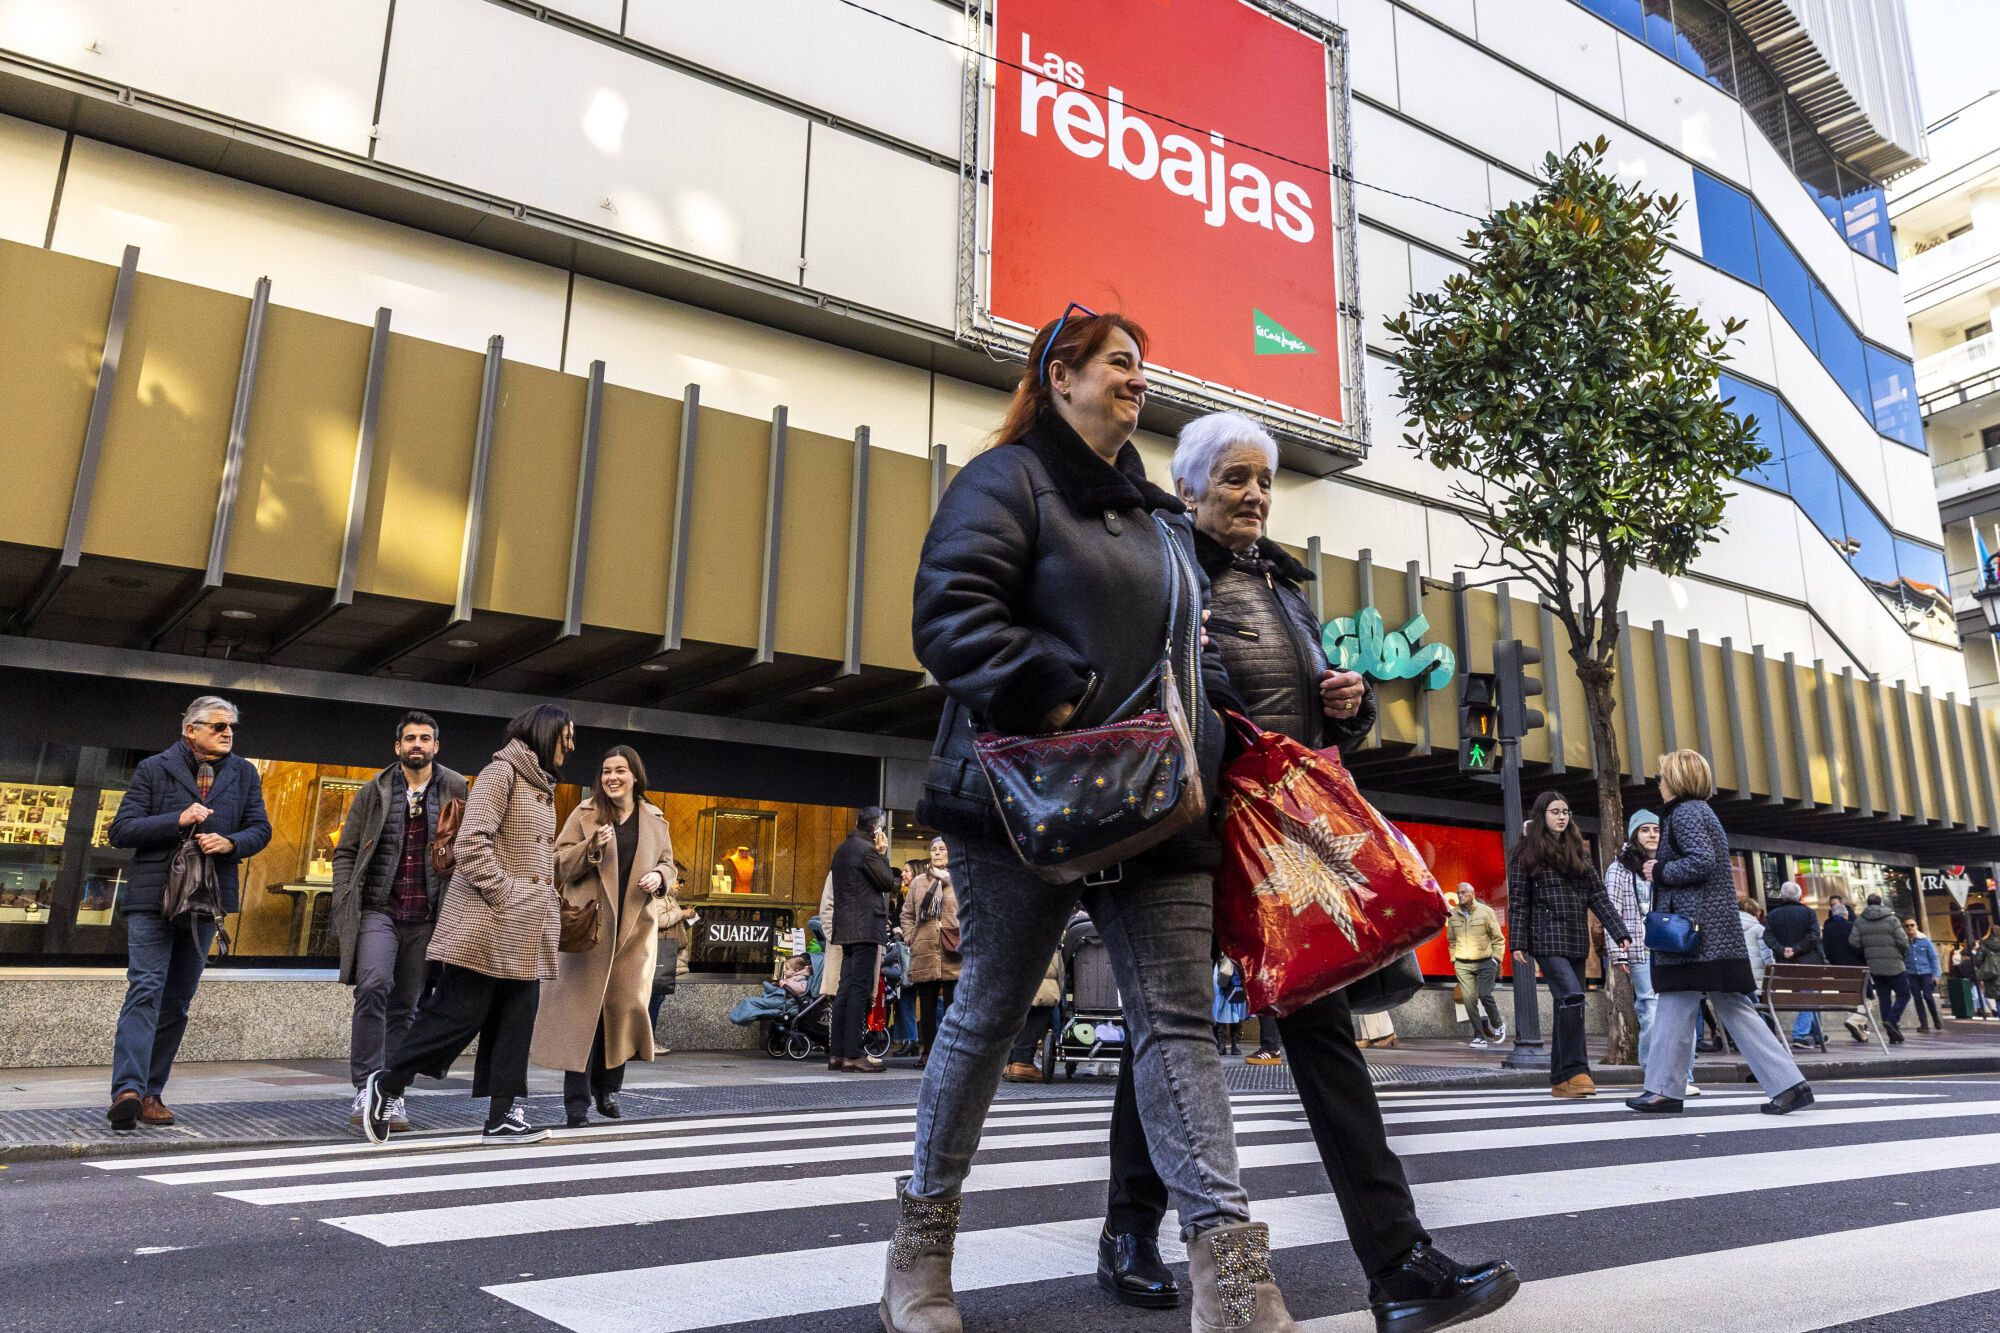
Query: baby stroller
(1089, 1018)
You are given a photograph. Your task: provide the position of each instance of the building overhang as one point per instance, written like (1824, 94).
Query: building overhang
(1856, 87)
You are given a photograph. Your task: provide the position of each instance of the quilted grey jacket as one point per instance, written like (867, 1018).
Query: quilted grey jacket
(1693, 878)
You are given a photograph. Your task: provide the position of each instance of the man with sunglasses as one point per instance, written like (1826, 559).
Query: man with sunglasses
(199, 789)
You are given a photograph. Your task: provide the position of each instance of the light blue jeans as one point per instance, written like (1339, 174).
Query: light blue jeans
(1158, 928)
(1644, 999)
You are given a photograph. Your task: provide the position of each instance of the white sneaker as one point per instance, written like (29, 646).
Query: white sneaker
(1477, 1043)
(1692, 1091)
(360, 1107)
(1500, 1033)
(399, 1114)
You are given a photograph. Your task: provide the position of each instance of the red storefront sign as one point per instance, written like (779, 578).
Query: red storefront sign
(1139, 164)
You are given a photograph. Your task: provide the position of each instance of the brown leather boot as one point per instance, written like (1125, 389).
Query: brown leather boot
(154, 1112)
(1229, 1271)
(916, 1286)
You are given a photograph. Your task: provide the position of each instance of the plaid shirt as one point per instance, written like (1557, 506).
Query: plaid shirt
(409, 891)
(1633, 897)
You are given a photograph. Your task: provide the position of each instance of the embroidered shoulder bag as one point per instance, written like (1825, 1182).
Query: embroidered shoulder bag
(1074, 803)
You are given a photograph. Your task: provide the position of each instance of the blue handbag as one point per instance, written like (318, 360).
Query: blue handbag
(1670, 932)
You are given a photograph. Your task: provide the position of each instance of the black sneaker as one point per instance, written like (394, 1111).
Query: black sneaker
(1430, 1290)
(514, 1128)
(375, 1108)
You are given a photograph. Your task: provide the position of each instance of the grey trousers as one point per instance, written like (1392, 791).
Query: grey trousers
(1671, 1049)
(388, 981)
(1158, 928)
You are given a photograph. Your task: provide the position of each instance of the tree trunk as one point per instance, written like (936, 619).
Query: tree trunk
(1596, 675)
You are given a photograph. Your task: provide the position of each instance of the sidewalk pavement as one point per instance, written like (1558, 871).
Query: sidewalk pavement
(59, 1113)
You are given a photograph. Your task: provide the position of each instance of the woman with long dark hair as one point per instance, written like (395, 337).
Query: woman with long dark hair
(496, 935)
(1551, 884)
(1043, 599)
(614, 853)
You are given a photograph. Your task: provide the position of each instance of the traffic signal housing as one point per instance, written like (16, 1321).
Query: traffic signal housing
(1478, 724)
(1514, 687)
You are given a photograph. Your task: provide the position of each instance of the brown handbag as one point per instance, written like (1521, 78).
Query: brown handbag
(579, 925)
(443, 856)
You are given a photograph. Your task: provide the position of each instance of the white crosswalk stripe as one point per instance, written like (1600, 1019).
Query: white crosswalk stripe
(772, 1187)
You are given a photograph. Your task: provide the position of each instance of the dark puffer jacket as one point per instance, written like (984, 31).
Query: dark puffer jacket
(1043, 581)
(1693, 879)
(1261, 623)
(1881, 941)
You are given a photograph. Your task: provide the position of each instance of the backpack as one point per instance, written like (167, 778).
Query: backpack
(194, 891)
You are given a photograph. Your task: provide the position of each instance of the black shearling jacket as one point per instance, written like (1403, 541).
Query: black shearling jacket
(1043, 582)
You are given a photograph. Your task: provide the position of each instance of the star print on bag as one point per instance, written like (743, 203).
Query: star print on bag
(1312, 866)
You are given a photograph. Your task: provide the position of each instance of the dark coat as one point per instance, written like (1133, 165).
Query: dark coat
(1043, 581)
(1546, 911)
(1794, 926)
(1834, 937)
(1692, 878)
(862, 884)
(1881, 941)
(1260, 622)
(371, 843)
(148, 821)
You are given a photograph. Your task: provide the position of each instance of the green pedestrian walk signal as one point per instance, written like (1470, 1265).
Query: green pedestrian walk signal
(1478, 724)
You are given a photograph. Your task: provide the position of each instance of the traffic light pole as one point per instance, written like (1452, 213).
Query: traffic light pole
(1530, 1051)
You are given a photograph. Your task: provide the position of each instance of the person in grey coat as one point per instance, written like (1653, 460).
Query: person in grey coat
(385, 896)
(1692, 878)
(1879, 938)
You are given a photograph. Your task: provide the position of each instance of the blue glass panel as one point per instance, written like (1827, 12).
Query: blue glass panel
(1660, 26)
(1921, 564)
(1702, 44)
(1840, 350)
(1815, 484)
(1625, 13)
(1747, 400)
(1871, 550)
(1785, 279)
(1728, 239)
(1864, 220)
(1893, 395)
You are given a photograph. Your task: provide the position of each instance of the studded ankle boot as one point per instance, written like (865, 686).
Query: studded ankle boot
(1229, 1271)
(916, 1287)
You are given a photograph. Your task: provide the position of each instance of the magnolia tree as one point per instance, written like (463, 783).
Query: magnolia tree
(1574, 395)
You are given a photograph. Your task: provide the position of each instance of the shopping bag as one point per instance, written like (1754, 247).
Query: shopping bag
(1316, 890)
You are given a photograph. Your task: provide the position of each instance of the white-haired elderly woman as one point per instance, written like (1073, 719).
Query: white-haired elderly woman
(1270, 644)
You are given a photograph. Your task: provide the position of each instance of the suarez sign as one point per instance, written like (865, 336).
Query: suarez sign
(1170, 159)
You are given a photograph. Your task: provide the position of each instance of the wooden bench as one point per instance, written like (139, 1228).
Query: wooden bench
(1796, 988)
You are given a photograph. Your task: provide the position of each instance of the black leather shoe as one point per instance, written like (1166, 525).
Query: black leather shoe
(607, 1106)
(1794, 1098)
(1652, 1103)
(576, 1117)
(1129, 1267)
(1430, 1290)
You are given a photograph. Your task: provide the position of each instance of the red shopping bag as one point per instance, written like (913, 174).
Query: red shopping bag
(1317, 889)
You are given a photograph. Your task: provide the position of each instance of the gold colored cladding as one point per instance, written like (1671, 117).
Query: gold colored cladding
(422, 472)
(898, 513)
(814, 546)
(169, 425)
(53, 310)
(638, 459)
(726, 529)
(524, 544)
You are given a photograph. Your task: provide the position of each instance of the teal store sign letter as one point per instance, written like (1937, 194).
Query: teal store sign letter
(1362, 643)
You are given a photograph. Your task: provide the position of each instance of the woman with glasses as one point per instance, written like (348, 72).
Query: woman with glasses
(1042, 602)
(1551, 884)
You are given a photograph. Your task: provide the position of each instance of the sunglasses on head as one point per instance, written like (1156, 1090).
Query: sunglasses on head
(1042, 366)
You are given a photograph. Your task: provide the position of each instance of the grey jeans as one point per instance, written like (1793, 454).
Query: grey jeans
(1670, 1052)
(388, 982)
(1158, 928)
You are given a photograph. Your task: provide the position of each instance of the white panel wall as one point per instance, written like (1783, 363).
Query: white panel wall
(212, 231)
(1761, 546)
(1632, 157)
(1547, 36)
(1371, 49)
(826, 55)
(1880, 312)
(1782, 628)
(1913, 503)
(1684, 604)
(1701, 122)
(964, 417)
(1802, 223)
(30, 157)
(679, 161)
(606, 14)
(1506, 187)
(1348, 519)
(1399, 156)
(1429, 269)
(1512, 117)
(1720, 297)
(1460, 14)
(660, 346)
(1943, 669)
(1385, 285)
(1850, 611)
(859, 196)
(302, 68)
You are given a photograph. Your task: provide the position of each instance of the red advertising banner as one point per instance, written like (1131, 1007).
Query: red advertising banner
(1474, 856)
(1139, 164)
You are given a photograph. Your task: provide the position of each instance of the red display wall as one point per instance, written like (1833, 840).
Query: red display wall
(1475, 856)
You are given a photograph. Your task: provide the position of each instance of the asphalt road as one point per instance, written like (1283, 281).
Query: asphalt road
(1872, 1210)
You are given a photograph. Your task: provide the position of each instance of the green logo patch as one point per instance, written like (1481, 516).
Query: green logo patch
(1270, 338)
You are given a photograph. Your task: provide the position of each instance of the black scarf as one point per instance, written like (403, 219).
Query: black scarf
(1266, 557)
(1090, 484)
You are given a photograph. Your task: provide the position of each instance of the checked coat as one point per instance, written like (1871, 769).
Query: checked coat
(1547, 912)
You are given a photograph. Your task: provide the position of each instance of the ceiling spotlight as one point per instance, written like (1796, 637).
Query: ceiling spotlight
(820, 689)
(654, 666)
(461, 643)
(235, 613)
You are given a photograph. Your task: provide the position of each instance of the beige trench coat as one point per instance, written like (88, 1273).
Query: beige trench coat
(498, 915)
(928, 959)
(615, 979)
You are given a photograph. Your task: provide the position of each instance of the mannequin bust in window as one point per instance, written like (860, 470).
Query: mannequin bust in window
(742, 868)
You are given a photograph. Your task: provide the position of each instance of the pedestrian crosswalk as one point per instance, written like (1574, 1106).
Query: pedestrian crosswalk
(765, 1221)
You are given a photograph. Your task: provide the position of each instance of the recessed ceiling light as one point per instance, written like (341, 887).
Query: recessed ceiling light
(654, 666)
(391, 671)
(234, 613)
(123, 581)
(461, 643)
(820, 689)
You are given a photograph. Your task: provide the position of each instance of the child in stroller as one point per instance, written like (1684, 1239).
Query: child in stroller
(794, 1011)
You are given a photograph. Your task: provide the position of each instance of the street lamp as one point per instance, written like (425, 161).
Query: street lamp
(1987, 594)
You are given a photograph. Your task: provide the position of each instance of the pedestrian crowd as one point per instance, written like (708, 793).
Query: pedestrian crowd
(1052, 573)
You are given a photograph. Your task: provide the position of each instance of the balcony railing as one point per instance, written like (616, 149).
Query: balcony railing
(1967, 468)
(1941, 261)
(1955, 364)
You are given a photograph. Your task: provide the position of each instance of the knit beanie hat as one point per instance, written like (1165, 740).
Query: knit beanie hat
(1639, 819)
